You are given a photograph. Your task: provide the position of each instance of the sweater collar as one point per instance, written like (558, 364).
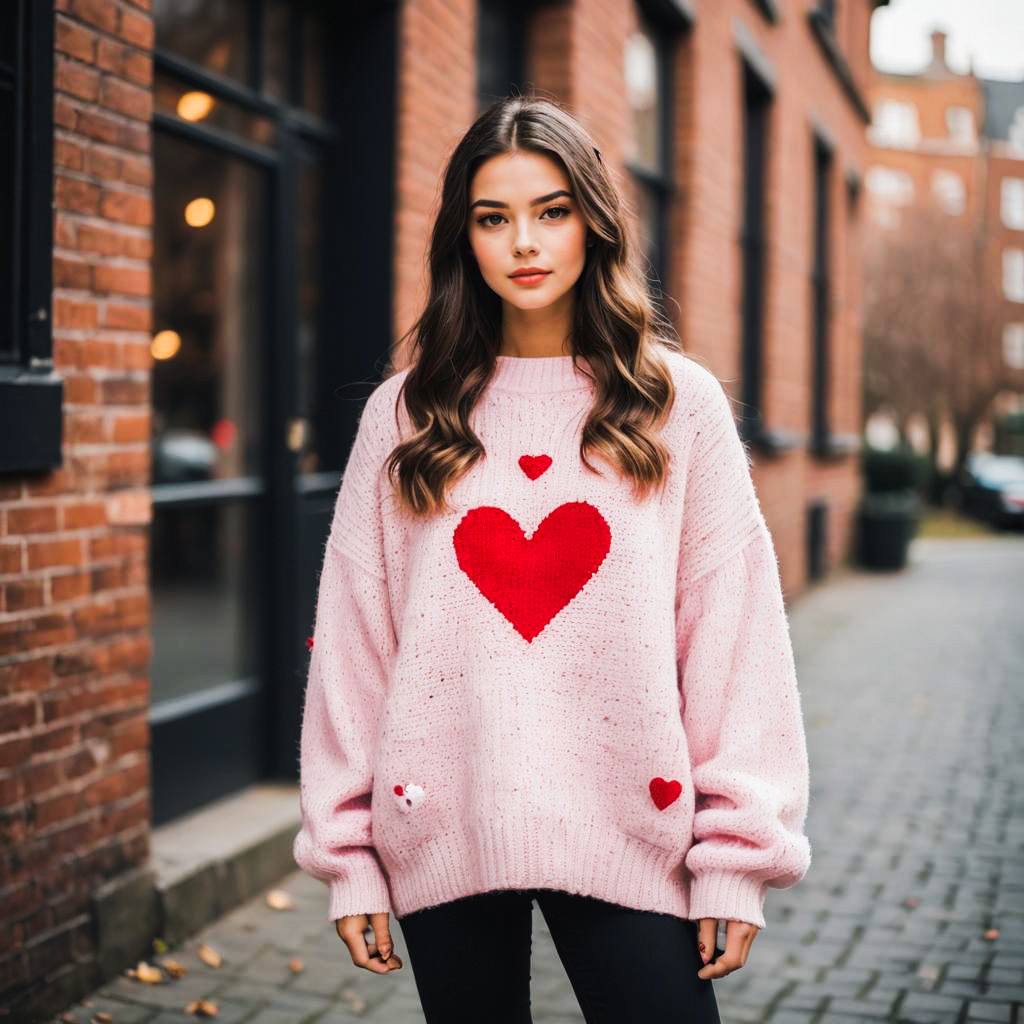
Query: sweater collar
(539, 374)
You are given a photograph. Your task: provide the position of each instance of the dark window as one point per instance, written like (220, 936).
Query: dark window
(30, 393)
(647, 64)
(271, 47)
(820, 291)
(249, 430)
(501, 49)
(756, 108)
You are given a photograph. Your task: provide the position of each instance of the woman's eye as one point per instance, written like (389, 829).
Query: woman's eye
(485, 220)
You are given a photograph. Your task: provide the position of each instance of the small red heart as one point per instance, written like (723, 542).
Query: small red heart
(664, 793)
(534, 465)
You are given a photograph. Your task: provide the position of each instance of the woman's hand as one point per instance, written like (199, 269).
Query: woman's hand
(380, 956)
(738, 937)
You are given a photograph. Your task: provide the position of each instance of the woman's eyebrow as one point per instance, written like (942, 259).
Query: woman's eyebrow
(533, 202)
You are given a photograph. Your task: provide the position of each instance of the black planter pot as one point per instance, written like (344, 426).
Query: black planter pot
(887, 522)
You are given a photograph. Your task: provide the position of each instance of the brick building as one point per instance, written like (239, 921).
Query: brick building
(240, 199)
(956, 141)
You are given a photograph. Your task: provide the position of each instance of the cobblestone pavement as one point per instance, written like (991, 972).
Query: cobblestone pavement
(913, 697)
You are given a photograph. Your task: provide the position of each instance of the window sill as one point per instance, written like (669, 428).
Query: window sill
(834, 447)
(31, 422)
(776, 441)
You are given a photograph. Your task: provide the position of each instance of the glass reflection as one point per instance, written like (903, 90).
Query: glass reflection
(209, 237)
(642, 91)
(205, 605)
(211, 33)
(188, 103)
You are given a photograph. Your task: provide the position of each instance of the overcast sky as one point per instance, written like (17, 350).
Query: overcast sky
(989, 31)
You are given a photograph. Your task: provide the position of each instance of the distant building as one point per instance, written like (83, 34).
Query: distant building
(1003, 131)
(956, 141)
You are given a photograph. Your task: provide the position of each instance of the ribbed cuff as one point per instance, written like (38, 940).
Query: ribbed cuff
(728, 896)
(362, 890)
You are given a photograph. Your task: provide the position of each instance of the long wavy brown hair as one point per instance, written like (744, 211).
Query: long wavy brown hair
(617, 327)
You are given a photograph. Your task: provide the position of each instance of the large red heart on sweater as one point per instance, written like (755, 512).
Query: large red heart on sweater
(530, 580)
(664, 793)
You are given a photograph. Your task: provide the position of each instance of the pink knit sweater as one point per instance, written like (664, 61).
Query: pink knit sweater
(557, 685)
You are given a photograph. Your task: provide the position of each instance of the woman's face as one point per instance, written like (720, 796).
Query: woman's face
(509, 230)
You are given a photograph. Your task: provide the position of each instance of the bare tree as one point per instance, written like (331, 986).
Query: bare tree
(931, 341)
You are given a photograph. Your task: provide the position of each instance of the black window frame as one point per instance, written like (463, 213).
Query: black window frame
(821, 292)
(501, 29)
(31, 393)
(663, 21)
(502, 47)
(833, 191)
(759, 73)
(757, 100)
(822, 19)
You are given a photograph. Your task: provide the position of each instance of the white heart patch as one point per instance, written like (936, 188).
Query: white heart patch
(409, 796)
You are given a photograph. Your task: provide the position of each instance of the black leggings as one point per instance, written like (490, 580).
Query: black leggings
(471, 960)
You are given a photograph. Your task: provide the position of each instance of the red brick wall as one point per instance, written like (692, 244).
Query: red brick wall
(707, 255)
(436, 100)
(74, 606)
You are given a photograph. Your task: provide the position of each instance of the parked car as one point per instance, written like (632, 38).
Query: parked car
(992, 489)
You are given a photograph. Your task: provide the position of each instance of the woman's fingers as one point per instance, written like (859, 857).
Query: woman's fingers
(707, 933)
(352, 931)
(738, 939)
(382, 934)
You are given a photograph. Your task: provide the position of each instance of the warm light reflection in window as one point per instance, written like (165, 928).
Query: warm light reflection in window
(194, 106)
(165, 344)
(199, 212)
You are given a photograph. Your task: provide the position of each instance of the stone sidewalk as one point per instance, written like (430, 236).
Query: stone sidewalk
(913, 909)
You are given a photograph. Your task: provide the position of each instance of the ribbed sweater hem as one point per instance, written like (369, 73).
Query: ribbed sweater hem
(570, 856)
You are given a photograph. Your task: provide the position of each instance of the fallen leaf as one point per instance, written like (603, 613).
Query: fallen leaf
(202, 1008)
(146, 973)
(101, 1018)
(159, 946)
(280, 900)
(175, 968)
(354, 1000)
(992, 933)
(209, 956)
(295, 965)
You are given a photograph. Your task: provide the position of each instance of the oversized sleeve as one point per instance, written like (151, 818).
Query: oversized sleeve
(353, 644)
(740, 701)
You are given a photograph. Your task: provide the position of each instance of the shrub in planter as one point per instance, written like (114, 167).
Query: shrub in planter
(887, 522)
(890, 508)
(896, 469)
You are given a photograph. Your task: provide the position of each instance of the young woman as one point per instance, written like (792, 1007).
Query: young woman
(551, 660)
